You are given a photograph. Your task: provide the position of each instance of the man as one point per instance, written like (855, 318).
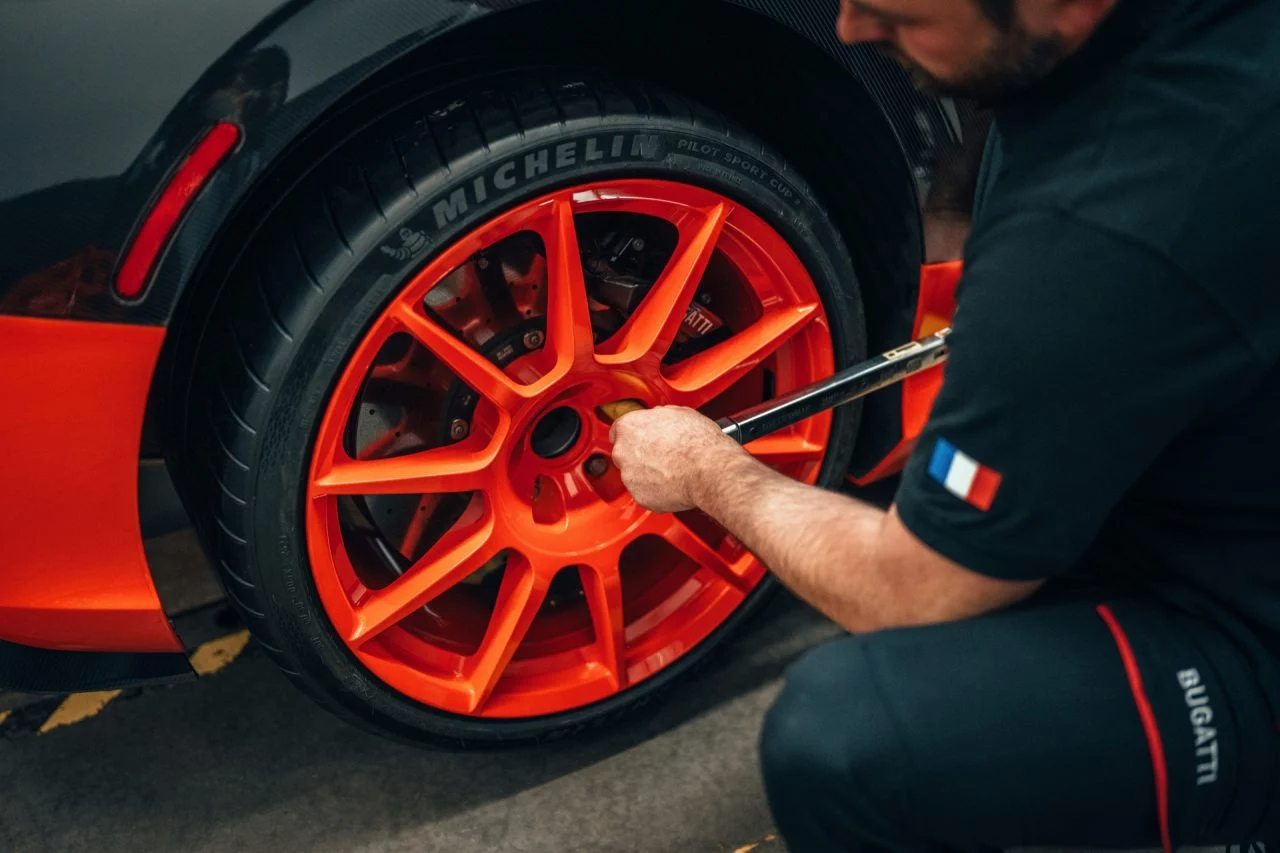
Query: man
(1081, 570)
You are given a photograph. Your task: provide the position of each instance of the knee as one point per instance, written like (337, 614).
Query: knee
(830, 731)
(793, 747)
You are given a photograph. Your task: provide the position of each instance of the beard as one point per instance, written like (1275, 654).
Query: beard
(1014, 63)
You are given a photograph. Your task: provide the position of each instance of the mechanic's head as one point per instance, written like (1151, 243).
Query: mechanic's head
(984, 49)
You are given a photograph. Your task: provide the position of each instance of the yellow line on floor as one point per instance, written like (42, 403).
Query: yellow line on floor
(4, 715)
(207, 659)
(78, 707)
(214, 655)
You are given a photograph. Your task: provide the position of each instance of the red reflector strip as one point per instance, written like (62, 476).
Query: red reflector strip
(168, 209)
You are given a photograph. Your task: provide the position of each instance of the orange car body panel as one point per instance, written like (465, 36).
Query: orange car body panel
(73, 574)
(934, 310)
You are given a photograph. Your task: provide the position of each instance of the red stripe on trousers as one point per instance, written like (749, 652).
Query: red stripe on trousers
(1154, 743)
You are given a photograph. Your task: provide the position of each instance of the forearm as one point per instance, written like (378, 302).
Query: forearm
(820, 544)
(855, 563)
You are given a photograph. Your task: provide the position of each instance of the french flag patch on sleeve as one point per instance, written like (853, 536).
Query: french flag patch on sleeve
(964, 476)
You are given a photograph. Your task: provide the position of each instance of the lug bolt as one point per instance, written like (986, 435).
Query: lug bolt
(597, 466)
(458, 430)
(534, 339)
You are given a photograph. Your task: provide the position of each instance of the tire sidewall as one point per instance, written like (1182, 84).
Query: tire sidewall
(361, 284)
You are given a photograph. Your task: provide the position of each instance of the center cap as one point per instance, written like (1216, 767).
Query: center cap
(556, 433)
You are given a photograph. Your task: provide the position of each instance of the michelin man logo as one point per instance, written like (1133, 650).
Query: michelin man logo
(412, 242)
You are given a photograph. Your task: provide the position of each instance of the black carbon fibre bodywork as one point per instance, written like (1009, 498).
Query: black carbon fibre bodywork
(102, 101)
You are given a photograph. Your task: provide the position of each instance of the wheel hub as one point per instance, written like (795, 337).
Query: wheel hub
(556, 433)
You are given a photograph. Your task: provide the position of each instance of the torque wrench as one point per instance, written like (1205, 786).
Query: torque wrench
(848, 385)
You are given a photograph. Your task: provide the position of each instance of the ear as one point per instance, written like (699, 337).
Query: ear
(854, 26)
(1074, 21)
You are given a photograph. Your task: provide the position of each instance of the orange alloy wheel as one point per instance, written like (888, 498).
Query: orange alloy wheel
(470, 540)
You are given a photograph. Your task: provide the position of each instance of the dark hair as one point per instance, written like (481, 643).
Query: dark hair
(999, 11)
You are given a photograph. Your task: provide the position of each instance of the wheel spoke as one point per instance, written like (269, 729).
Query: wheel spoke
(680, 537)
(653, 327)
(603, 588)
(445, 469)
(569, 333)
(784, 448)
(701, 378)
(470, 366)
(520, 596)
(458, 554)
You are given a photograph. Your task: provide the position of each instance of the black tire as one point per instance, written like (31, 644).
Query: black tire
(312, 278)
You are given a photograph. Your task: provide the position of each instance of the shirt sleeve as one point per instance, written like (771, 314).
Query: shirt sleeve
(1077, 358)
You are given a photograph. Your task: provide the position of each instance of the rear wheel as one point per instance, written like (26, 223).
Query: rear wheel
(403, 423)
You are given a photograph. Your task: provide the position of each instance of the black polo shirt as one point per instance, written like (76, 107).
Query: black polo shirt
(1112, 403)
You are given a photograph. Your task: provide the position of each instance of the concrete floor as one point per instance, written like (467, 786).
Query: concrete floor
(242, 762)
